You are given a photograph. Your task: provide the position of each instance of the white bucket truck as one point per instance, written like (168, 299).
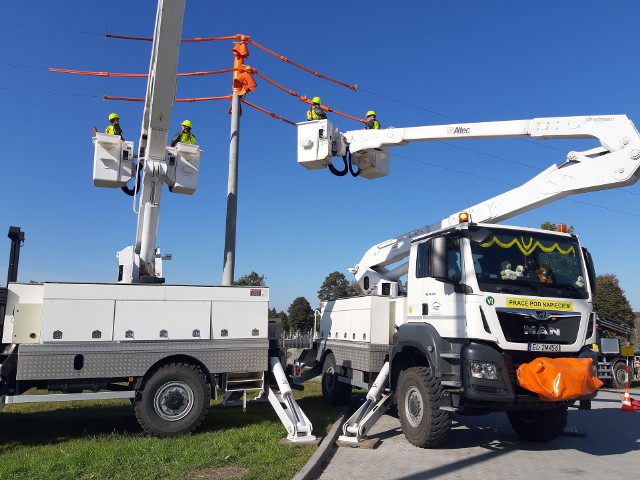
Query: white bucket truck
(482, 298)
(168, 348)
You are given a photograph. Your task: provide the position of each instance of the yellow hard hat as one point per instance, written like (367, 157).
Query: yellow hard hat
(113, 115)
(316, 100)
(370, 112)
(187, 123)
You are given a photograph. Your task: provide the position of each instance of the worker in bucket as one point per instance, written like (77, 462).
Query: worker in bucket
(316, 112)
(114, 126)
(184, 135)
(372, 123)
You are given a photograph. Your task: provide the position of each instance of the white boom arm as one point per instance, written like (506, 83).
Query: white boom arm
(156, 120)
(176, 166)
(616, 163)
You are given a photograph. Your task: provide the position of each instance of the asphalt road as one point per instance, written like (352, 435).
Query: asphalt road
(483, 448)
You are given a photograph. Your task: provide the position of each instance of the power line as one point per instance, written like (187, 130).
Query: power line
(58, 29)
(433, 112)
(50, 93)
(459, 120)
(491, 155)
(409, 104)
(494, 180)
(22, 66)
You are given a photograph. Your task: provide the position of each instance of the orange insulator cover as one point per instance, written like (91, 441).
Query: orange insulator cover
(244, 83)
(240, 50)
(555, 379)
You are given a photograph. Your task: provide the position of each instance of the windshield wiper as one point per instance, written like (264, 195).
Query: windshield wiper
(508, 290)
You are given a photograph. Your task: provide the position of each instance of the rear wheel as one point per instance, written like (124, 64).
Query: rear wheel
(173, 401)
(334, 392)
(423, 423)
(539, 426)
(619, 375)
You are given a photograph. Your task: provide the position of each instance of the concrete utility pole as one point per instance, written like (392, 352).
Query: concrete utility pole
(232, 195)
(242, 83)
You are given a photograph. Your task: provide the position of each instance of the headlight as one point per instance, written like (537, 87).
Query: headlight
(486, 370)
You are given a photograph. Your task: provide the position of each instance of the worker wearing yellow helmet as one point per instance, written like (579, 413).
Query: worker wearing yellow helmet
(315, 111)
(114, 126)
(372, 123)
(184, 135)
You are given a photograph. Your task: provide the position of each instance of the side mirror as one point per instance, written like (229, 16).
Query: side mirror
(591, 271)
(439, 259)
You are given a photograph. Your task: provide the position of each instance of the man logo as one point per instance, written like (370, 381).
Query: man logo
(541, 330)
(490, 301)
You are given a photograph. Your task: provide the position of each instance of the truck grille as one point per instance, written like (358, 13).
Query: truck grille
(524, 326)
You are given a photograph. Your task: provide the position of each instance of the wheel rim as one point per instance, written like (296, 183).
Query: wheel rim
(329, 379)
(173, 401)
(414, 406)
(621, 376)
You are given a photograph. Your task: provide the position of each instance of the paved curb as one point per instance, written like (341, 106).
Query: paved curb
(311, 469)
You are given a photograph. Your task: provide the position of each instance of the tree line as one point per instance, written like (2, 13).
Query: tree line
(299, 317)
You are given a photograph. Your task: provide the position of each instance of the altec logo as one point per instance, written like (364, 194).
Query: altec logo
(458, 131)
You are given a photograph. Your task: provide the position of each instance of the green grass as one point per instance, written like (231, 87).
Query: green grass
(102, 440)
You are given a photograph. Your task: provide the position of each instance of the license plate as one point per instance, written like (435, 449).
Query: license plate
(544, 347)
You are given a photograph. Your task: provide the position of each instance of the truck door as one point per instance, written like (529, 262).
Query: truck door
(435, 273)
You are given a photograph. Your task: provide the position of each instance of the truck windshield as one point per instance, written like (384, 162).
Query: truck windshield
(529, 263)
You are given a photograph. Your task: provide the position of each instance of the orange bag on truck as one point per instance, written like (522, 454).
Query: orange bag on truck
(555, 379)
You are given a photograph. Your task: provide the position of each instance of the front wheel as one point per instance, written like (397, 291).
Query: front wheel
(539, 426)
(423, 423)
(173, 401)
(619, 375)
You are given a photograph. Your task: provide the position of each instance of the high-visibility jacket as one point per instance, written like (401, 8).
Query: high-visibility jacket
(316, 113)
(182, 137)
(114, 129)
(372, 124)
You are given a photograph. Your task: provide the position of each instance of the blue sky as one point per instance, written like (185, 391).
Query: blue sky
(416, 63)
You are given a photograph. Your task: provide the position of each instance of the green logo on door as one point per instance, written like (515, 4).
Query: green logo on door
(490, 300)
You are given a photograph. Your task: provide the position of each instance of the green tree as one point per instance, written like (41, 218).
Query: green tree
(273, 313)
(285, 321)
(251, 280)
(335, 286)
(554, 227)
(610, 301)
(300, 315)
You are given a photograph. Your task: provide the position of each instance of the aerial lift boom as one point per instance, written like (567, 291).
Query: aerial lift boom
(158, 164)
(156, 120)
(615, 163)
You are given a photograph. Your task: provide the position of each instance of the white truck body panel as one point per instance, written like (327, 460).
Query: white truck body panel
(161, 320)
(77, 320)
(83, 312)
(25, 294)
(369, 319)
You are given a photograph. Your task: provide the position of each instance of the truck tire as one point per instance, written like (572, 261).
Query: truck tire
(334, 392)
(173, 401)
(619, 372)
(418, 397)
(540, 426)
